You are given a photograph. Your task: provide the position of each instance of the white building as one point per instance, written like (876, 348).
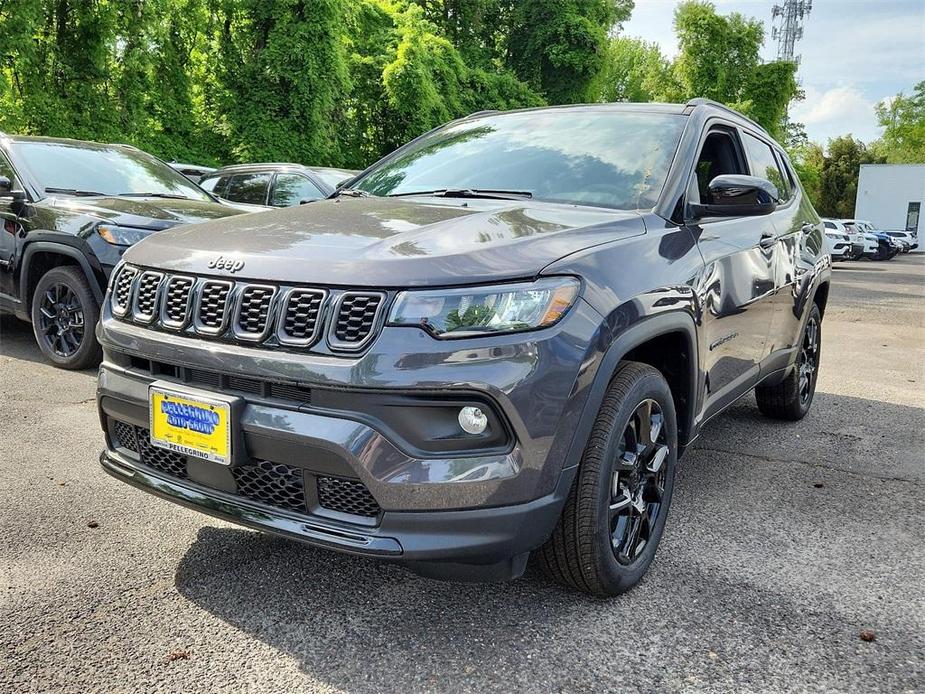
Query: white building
(891, 196)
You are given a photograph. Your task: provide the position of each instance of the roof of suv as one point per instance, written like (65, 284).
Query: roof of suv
(234, 168)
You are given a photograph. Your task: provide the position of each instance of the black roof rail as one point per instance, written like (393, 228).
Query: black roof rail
(700, 101)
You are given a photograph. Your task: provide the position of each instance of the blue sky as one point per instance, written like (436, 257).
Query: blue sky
(854, 54)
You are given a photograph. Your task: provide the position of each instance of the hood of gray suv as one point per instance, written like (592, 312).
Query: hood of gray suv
(387, 242)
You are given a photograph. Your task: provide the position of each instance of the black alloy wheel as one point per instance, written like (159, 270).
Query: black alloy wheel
(64, 315)
(616, 510)
(638, 482)
(62, 320)
(808, 361)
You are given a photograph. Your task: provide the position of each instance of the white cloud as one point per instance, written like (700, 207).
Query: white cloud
(837, 111)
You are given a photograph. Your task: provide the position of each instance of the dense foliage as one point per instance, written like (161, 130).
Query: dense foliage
(342, 82)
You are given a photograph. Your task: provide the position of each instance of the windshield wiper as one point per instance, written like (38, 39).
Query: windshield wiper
(170, 196)
(350, 192)
(489, 193)
(73, 191)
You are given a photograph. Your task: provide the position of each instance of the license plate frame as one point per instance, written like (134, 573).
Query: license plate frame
(199, 424)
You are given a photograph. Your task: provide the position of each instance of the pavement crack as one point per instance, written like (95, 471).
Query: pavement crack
(809, 463)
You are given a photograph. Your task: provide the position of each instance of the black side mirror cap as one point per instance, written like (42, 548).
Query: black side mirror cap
(737, 195)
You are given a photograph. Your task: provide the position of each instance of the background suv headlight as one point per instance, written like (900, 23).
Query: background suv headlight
(453, 313)
(122, 236)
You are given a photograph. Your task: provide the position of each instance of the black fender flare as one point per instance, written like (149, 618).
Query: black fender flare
(635, 335)
(61, 249)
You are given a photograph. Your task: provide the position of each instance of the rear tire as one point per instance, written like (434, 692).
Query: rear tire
(64, 316)
(791, 398)
(616, 510)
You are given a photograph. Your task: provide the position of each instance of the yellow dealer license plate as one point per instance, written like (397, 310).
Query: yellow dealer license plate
(189, 424)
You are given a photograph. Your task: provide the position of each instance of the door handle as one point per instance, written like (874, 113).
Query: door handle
(767, 240)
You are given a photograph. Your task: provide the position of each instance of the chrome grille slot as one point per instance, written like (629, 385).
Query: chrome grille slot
(175, 309)
(355, 319)
(122, 290)
(300, 316)
(144, 308)
(253, 311)
(212, 307)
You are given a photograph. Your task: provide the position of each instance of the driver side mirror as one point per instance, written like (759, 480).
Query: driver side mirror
(737, 195)
(6, 190)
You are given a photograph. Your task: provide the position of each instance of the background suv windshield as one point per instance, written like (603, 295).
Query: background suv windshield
(105, 169)
(603, 157)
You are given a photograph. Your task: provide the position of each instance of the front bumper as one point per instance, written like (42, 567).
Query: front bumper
(476, 544)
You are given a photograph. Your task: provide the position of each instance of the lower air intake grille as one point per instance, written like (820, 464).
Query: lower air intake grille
(158, 458)
(274, 484)
(346, 496)
(124, 435)
(356, 316)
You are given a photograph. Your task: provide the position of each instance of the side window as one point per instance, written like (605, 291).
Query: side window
(250, 188)
(788, 186)
(719, 155)
(7, 170)
(291, 189)
(209, 184)
(764, 165)
(829, 225)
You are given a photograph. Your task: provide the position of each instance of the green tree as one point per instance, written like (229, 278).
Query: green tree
(720, 59)
(808, 159)
(903, 120)
(633, 70)
(839, 176)
(558, 46)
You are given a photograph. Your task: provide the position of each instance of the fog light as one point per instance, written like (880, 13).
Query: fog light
(472, 420)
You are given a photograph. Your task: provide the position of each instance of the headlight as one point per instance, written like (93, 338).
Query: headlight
(121, 236)
(449, 313)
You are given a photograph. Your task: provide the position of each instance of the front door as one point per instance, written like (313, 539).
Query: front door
(738, 278)
(9, 230)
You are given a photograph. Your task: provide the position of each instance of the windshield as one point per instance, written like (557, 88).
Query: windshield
(104, 169)
(588, 157)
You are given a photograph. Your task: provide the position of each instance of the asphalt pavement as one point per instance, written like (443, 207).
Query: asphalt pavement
(785, 543)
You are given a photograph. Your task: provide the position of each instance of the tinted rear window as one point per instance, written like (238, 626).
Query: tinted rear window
(250, 188)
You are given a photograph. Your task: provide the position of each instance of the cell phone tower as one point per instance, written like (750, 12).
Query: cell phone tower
(790, 28)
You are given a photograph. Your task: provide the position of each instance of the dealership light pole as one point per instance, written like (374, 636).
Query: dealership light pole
(790, 28)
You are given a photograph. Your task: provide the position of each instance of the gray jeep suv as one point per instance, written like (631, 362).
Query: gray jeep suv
(497, 342)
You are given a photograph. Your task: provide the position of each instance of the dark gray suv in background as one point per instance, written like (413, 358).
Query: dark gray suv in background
(498, 341)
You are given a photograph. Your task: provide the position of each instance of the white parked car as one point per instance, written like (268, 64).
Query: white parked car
(846, 245)
(867, 233)
(838, 243)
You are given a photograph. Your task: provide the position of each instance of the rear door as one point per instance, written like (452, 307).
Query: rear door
(739, 277)
(251, 187)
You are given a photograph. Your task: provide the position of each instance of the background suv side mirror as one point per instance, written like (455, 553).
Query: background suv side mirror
(737, 195)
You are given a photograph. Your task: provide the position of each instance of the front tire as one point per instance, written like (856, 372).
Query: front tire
(616, 510)
(64, 316)
(791, 398)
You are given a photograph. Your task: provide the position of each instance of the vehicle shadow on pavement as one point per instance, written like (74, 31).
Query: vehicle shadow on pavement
(797, 591)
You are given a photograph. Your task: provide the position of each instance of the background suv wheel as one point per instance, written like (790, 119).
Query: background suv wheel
(615, 513)
(64, 317)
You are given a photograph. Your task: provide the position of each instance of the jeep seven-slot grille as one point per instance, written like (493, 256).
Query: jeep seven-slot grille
(356, 316)
(301, 314)
(176, 301)
(273, 484)
(146, 295)
(213, 304)
(122, 290)
(248, 311)
(254, 310)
